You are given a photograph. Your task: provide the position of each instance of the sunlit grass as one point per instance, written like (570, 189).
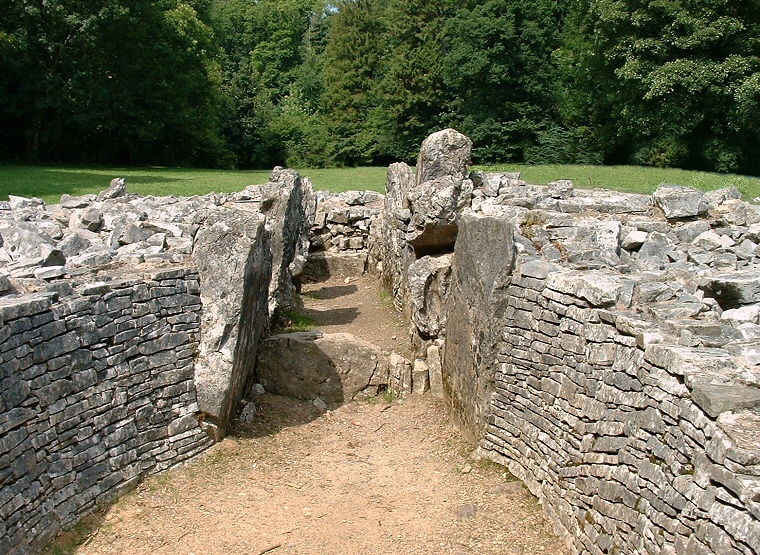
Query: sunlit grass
(50, 182)
(632, 179)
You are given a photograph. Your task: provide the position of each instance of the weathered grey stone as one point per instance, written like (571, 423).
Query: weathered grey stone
(334, 367)
(562, 189)
(655, 253)
(68, 201)
(677, 201)
(441, 190)
(285, 203)
(117, 188)
(132, 234)
(634, 239)
(88, 218)
(400, 374)
(718, 398)
(435, 371)
(91, 259)
(538, 269)
(608, 202)
(322, 265)
(748, 313)
(709, 240)
(49, 272)
(420, 377)
(393, 252)
(428, 281)
(599, 288)
(74, 244)
(483, 262)
(234, 264)
(741, 287)
(717, 197)
(22, 241)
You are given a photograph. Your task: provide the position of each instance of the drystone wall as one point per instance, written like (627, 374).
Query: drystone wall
(632, 447)
(129, 329)
(603, 345)
(339, 237)
(97, 391)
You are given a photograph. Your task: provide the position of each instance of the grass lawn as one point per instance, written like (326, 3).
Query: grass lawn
(632, 179)
(50, 182)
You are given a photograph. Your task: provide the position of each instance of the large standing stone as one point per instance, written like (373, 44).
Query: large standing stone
(234, 263)
(421, 210)
(287, 202)
(333, 367)
(394, 251)
(441, 190)
(482, 268)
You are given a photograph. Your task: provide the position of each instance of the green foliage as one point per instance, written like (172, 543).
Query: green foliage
(253, 84)
(293, 322)
(667, 83)
(500, 74)
(123, 81)
(352, 65)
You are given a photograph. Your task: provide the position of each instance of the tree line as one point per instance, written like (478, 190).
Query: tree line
(256, 83)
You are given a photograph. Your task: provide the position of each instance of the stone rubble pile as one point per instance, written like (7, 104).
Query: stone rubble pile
(339, 236)
(605, 346)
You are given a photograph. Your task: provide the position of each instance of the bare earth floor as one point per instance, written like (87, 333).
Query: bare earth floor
(369, 477)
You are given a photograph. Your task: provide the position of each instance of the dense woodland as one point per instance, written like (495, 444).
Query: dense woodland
(255, 83)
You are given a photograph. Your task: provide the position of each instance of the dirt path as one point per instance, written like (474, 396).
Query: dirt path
(358, 307)
(370, 477)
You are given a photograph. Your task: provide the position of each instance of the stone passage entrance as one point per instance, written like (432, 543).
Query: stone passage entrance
(368, 477)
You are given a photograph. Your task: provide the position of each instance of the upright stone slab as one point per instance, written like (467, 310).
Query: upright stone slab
(482, 267)
(234, 262)
(421, 210)
(289, 205)
(441, 190)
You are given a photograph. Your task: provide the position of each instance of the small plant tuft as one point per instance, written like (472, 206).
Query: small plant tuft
(293, 321)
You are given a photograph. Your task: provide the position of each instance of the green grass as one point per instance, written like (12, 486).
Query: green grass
(632, 179)
(50, 182)
(293, 321)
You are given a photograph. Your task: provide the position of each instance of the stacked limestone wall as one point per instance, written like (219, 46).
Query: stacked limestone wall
(97, 390)
(605, 430)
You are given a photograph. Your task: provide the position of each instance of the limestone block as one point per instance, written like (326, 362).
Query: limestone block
(428, 282)
(420, 377)
(433, 361)
(336, 367)
(484, 257)
(742, 287)
(233, 259)
(715, 399)
(290, 207)
(677, 201)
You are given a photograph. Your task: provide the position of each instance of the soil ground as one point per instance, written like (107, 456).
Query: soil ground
(382, 476)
